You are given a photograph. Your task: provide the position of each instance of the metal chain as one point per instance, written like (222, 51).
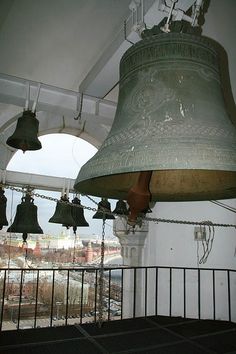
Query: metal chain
(90, 198)
(101, 277)
(100, 207)
(42, 196)
(155, 220)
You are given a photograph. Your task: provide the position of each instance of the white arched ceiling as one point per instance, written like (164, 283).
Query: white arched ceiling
(52, 123)
(57, 111)
(55, 43)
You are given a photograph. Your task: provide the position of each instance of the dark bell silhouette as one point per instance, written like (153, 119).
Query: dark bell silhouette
(78, 213)
(121, 208)
(26, 220)
(3, 205)
(63, 213)
(104, 210)
(25, 136)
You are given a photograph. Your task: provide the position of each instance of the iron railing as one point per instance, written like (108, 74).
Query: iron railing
(52, 297)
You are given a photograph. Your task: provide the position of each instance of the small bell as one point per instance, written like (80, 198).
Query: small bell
(26, 220)
(3, 205)
(63, 213)
(25, 136)
(104, 210)
(78, 213)
(121, 208)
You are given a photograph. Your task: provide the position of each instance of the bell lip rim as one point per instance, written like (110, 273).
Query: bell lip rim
(8, 142)
(28, 232)
(143, 170)
(198, 195)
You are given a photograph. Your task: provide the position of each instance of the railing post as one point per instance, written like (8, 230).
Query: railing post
(109, 295)
(67, 294)
(81, 297)
(184, 283)
(214, 294)
(20, 299)
(122, 293)
(170, 304)
(36, 299)
(134, 293)
(199, 293)
(156, 293)
(146, 291)
(3, 298)
(52, 298)
(229, 295)
(95, 294)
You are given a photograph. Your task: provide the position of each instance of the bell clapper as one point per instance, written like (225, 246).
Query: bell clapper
(24, 237)
(139, 196)
(25, 244)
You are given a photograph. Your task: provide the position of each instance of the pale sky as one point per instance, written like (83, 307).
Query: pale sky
(61, 155)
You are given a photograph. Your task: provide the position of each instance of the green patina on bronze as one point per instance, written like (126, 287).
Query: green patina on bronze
(170, 119)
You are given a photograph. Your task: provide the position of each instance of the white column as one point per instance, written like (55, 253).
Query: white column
(132, 242)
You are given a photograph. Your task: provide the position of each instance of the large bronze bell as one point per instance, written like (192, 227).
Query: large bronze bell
(63, 213)
(104, 210)
(171, 134)
(3, 205)
(26, 220)
(78, 214)
(25, 136)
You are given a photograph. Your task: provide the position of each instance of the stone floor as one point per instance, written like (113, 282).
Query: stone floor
(155, 334)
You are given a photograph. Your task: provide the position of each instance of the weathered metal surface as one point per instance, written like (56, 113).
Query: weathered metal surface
(171, 119)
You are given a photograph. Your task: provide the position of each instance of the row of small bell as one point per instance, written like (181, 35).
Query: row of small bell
(104, 210)
(67, 214)
(26, 220)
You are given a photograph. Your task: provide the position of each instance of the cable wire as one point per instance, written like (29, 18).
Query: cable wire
(225, 206)
(208, 243)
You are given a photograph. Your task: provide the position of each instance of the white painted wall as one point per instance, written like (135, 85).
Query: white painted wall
(174, 246)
